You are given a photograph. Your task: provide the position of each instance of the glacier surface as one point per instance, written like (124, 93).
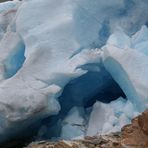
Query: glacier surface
(70, 68)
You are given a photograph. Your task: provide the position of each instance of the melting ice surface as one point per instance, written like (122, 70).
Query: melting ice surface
(71, 68)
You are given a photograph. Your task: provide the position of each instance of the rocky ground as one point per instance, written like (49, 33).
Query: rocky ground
(134, 135)
(107, 141)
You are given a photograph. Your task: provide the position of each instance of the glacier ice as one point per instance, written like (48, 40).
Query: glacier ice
(73, 124)
(106, 118)
(58, 58)
(130, 68)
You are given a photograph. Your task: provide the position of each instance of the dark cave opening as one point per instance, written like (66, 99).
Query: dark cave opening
(83, 91)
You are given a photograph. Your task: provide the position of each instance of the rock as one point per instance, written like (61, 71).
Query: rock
(136, 133)
(106, 141)
(143, 121)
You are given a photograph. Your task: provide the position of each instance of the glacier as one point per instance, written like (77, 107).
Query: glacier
(71, 68)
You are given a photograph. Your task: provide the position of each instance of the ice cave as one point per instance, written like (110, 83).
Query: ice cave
(71, 68)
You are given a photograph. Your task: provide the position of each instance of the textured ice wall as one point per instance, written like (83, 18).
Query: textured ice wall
(47, 44)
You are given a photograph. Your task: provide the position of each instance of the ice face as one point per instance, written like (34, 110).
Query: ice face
(74, 122)
(130, 63)
(131, 66)
(106, 118)
(59, 56)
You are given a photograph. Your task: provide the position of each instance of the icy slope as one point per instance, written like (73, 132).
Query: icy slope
(130, 70)
(52, 60)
